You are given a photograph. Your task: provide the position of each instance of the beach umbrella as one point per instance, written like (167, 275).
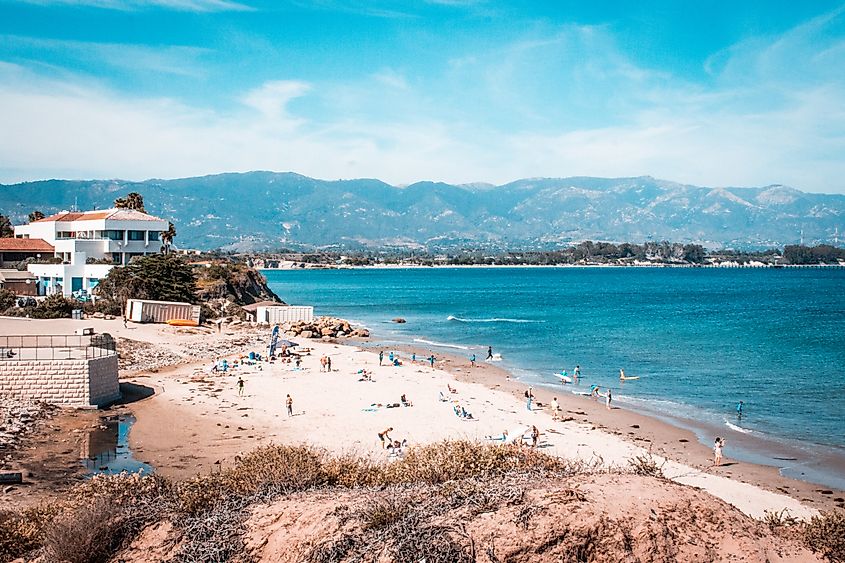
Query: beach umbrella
(288, 343)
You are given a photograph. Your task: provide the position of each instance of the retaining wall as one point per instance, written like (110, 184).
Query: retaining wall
(80, 383)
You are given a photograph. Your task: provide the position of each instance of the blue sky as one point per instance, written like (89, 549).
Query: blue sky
(707, 92)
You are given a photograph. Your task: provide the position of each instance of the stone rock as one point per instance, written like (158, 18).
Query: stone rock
(327, 332)
(399, 320)
(306, 334)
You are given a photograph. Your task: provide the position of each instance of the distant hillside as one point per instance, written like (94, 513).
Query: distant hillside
(268, 210)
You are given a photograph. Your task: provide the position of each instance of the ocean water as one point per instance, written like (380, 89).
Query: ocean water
(700, 340)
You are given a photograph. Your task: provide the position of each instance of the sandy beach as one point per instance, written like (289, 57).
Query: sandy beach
(196, 421)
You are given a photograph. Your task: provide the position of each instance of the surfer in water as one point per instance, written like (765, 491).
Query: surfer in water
(489, 352)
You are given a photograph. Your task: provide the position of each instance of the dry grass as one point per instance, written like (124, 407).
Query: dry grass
(825, 534)
(646, 465)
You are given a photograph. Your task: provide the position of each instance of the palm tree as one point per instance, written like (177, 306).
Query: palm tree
(167, 238)
(134, 201)
(35, 216)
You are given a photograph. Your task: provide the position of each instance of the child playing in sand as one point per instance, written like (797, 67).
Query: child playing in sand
(717, 450)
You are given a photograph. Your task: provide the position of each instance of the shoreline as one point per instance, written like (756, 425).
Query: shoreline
(763, 451)
(635, 426)
(728, 265)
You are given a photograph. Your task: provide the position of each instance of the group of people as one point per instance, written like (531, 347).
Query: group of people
(325, 363)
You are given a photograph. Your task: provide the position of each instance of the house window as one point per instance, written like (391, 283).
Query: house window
(111, 234)
(136, 235)
(153, 235)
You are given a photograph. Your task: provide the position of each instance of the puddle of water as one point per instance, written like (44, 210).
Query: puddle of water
(106, 449)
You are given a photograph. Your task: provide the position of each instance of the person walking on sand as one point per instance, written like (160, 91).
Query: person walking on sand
(289, 405)
(717, 450)
(124, 320)
(489, 352)
(535, 436)
(384, 437)
(608, 398)
(380, 356)
(472, 360)
(240, 387)
(529, 395)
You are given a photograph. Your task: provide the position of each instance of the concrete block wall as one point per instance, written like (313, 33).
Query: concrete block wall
(82, 383)
(103, 387)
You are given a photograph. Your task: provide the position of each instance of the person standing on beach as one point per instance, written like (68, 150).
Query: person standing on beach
(240, 387)
(717, 450)
(328, 363)
(431, 360)
(414, 357)
(529, 395)
(472, 360)
(385, 439)
(489, 352)
(535, 436)
(289, 405)
(608, 398)
(380, 356)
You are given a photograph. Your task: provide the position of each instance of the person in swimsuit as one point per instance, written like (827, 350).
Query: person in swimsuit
(289, 405)
(489, 352)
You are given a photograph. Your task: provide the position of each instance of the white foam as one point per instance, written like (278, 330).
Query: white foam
(440, 344)
(493, 320)
(737, 428)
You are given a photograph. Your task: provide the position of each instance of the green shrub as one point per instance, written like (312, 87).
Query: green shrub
(55, 306)
(7, 299)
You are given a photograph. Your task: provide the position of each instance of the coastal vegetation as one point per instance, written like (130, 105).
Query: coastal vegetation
(427, 505)
(584, 253)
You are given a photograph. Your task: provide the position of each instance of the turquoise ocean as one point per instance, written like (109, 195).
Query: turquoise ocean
(700, 341)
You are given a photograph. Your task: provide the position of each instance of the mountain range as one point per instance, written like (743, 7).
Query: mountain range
(270, 210)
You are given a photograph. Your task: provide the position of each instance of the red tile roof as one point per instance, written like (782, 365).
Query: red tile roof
(120, 214)
(25, 245)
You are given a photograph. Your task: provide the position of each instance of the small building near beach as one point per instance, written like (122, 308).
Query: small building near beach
(149, 311)
(70, 370)
(20, 283)
(16, 250)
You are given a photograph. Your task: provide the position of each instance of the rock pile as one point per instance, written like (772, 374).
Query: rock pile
(325, 328)
(17, 418)
(142, 356)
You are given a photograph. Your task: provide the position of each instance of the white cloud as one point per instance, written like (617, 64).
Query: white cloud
(752, 124)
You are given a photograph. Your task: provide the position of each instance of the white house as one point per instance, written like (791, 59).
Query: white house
(113, 236)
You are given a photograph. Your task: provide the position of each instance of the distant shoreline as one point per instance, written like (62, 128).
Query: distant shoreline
(511, 266)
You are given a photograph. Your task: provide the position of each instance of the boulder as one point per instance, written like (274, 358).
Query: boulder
(327, 331)
(306, 334)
